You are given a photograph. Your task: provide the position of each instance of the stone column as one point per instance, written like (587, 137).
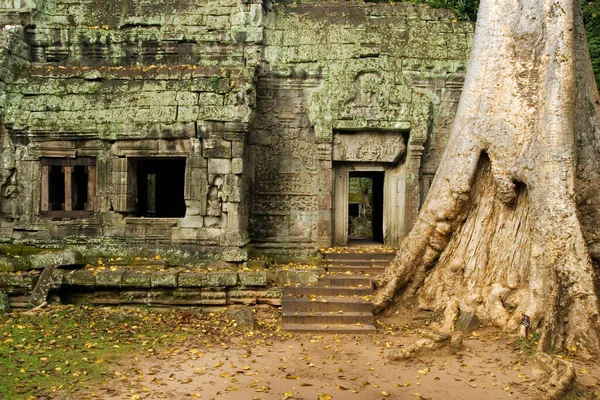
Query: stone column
(421, 117)
(325, 197)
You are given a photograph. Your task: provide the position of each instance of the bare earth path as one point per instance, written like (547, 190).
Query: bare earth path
(273, 365)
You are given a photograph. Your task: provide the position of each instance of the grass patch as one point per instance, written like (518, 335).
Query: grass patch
(63, 349)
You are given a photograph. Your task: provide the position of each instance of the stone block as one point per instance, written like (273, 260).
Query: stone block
(241, 296)
(237, 166)
(192, 279)
(213, 83)
(237, 148)
(6, 264)
(208, 279)
(184, 234)
(187, 113)
(271, 296)
(135, 279)
(4, 303)
(210, 99)
(258, 278)
(111, 279)
(209, 235)
(160, 296)
(216, 148)
(219, 166)
(112, 297)
(164, 279)
(187, 98)
(217, 22)
(244, 319)
(192, 221)
(187, 296)
(50, 278)
(134, 297)
(80, 278)
(216, 296)
(234, 254)
(295, 276)
(56, 259)
(9, 280)
(467, 321)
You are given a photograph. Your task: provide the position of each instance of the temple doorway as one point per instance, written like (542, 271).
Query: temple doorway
(368, 204)
(365, 206)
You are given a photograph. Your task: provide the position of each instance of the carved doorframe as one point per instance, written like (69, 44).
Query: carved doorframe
(341, 199)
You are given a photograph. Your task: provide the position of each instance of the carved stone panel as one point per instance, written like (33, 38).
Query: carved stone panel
(368, 146)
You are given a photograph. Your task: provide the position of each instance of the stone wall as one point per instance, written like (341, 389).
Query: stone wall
(209, 124)
(122, 85)
(337, 70)
(159, 288)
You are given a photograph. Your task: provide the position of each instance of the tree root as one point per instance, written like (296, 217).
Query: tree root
(556, 376)
(36, 308)
(434, 342)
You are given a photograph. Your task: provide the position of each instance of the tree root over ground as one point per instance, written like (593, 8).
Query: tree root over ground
(555, 375)
(434, 341)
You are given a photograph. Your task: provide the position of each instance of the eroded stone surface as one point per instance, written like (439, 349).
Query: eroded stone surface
(249, 106)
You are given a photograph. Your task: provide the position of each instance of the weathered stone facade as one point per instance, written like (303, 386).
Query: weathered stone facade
(209, 125)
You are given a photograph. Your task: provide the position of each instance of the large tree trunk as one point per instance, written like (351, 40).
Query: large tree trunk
(511, 224)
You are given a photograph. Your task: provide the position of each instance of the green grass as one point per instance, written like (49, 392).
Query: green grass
(66, 348)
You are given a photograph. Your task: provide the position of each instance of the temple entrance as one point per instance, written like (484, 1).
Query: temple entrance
(365, 207)
(369, 203)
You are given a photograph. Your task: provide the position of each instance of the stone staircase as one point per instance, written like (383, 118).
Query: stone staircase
(340, 301)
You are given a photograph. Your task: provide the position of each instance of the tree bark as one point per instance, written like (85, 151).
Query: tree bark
(511, 224)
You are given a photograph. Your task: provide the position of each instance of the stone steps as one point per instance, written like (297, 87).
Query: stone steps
(333, 318)
(331, 304)
(357, 262)
(329, 328)
(327, 291)
(339, 301)
(355, 270)
(346, 281)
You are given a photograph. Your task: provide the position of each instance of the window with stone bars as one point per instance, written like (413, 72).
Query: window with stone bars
(68, 187)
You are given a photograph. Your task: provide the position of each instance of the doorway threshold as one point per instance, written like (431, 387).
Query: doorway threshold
(363, 243)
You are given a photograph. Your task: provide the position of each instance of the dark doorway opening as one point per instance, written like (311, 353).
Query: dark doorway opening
(365, 206)
(160, 185)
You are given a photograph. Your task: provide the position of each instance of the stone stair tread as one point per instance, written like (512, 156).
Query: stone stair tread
(353, 262)
(325, 313)
(319, 290)
(330, 328)
(326, 299)
(328, 293)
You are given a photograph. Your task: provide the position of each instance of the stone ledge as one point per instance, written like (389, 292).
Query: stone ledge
(190, 297)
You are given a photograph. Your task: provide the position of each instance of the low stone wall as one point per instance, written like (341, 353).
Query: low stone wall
(164, 288)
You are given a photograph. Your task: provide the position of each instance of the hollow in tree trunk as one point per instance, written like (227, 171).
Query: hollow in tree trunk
(511, 224)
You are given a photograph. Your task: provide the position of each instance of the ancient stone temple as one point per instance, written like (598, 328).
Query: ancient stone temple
(206, 126)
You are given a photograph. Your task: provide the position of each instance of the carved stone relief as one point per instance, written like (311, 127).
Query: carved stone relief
(285, 202)
(215, 207)
(368, 146)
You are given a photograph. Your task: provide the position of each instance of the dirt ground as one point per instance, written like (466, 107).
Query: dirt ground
(274, 365)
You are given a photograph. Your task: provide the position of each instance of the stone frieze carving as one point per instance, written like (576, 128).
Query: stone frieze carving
(368, 146)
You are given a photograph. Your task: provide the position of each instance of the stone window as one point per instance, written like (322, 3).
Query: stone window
(159, 185)
(68, 187)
